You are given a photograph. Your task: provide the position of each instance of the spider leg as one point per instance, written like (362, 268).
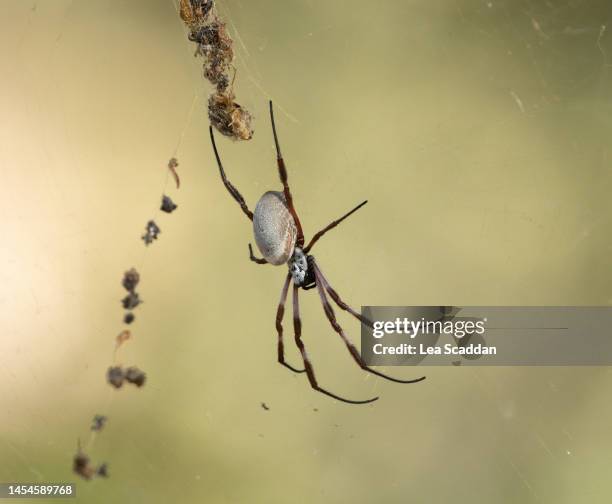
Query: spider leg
(230, 187)
(257, 260)
(282, 171)
(279, 326)
(318, 235)
(329, 311)
(297, 326)
(336, 297)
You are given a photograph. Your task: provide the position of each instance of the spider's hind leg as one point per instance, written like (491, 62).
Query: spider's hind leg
(297, 325)
(280, 312)
(322, 285)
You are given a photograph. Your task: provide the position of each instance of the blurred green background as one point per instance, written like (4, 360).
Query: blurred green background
(480, 133)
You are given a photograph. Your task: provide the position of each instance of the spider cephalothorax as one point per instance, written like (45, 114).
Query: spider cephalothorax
(279, 238)
(301, 267)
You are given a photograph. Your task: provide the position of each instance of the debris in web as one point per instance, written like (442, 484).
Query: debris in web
(98, 423)
(168, 205)
(131, 301)
(152, 232)
(172, 166)
(102, 470)
(228, 117)
(130, 280)
(116, 376)
(122, 337)
(135, 376)
(215, 45)
(82, 465)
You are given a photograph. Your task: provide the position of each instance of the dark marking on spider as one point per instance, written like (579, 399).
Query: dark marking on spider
(280, 239)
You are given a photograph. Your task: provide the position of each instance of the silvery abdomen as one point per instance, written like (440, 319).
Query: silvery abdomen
(274, 228)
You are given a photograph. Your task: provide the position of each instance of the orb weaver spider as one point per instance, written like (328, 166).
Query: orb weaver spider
(280, 239)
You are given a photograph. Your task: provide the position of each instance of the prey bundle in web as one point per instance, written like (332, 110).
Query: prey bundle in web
(215, 46)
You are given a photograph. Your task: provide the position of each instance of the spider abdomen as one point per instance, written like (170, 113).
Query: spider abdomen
(274, 228)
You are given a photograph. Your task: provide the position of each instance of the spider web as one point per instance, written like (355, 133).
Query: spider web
(489, 118)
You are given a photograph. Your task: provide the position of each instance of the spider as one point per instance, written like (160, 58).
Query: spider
(279, 237)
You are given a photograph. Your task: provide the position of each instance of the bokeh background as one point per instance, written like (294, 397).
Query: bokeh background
(480, 133)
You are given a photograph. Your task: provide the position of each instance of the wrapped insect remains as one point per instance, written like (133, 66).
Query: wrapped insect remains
(214, 45)
(130, 281)
(167, 205)
(98, 422)
(82, 465)
(151, 232)
(116, 376)
(172, 166)
(228, 117)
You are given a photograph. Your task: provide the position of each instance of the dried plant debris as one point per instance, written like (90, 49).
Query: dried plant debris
(131, 301)
(130, 280)
(194, 12)
(215, 46)
(82, 466)
(229, 118)
(102, 470)
(152, 231)
(172, 166)
(135, 376)
(167, 204)
(122, 337)
(116, 375)
(98, 423)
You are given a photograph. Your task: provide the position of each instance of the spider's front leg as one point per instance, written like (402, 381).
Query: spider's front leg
(282, 171)
(228, 185)
(258, 260)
